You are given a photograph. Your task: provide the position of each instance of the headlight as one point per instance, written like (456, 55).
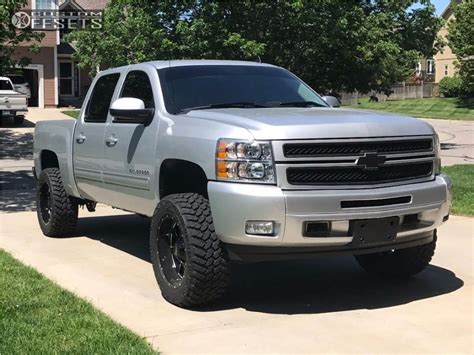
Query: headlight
(244, 161)
(437, 151)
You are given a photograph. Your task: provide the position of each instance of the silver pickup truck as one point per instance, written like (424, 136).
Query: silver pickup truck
(11, 102)
(242, 162)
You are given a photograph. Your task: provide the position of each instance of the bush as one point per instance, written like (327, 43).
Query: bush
(451, 86)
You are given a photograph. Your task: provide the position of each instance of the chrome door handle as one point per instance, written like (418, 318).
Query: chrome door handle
(111, 141)
(80, 138)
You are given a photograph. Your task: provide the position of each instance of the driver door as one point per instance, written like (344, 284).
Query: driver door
(129, 158)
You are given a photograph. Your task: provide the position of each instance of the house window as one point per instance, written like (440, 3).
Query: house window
(45, 4)
(430, 66)
(446, 67)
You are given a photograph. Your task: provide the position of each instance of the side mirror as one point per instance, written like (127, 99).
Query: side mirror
(131, 110)
(332, 100)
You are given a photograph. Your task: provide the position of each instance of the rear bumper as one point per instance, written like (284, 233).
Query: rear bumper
(233, 204)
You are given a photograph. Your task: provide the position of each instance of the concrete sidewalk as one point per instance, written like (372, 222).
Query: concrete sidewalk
(325, 305)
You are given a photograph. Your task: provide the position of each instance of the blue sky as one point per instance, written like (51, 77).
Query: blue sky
(439, 4)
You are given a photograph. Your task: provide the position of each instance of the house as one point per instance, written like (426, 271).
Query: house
(54, 77)
(445, 60)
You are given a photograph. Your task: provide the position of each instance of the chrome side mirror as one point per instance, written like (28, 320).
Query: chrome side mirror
(332, 100)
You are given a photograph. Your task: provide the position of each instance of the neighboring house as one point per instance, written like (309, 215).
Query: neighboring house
(54, 77)
(445, 60)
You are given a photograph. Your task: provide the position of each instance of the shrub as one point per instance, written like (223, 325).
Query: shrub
(451, 86)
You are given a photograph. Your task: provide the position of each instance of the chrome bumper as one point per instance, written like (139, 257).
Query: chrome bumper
(233, 204)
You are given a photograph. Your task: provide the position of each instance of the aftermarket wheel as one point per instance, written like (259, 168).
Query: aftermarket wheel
(190, 263)
(56, 210)
(399, 263)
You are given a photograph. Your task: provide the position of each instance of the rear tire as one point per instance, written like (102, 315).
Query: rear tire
(189, 261)
(399, 263)
(19, 120)
(56, 210)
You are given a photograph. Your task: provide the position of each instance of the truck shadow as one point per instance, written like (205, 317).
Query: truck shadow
(16, 145)
(321, 285)
(17, 191)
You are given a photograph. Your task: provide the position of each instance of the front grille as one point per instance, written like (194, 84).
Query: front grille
(302, 150)
(357, 175)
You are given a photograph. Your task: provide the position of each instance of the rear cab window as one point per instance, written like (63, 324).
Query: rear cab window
(100, 99)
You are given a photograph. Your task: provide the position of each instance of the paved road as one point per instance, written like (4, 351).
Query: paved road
(325, 305)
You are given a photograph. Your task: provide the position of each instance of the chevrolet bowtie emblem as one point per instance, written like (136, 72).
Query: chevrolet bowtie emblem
(371, 160)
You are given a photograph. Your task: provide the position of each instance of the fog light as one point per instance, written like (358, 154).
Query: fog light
(259, 227)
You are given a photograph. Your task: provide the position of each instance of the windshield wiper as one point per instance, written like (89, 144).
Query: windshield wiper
(299, 104)
(223, 105)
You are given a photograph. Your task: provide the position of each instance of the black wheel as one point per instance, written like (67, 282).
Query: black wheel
(19, 120)
(190, 263)
(56, 210)
(399, 263)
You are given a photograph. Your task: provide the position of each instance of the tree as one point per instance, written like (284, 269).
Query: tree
(332, 44)
(11, 37)
(461, 41)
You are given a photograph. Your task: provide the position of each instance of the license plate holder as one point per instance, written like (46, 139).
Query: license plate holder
(368, 232)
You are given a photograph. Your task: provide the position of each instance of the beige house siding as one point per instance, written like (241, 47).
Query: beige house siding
(445, 60)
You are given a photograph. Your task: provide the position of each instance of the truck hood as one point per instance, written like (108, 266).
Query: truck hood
(316, 123)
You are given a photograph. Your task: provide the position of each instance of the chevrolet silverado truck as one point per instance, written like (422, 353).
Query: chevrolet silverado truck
(242, 162)
(11, 102)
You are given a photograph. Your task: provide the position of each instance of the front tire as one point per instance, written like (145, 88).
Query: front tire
(399, 263)
(189, 261)
(56, 210)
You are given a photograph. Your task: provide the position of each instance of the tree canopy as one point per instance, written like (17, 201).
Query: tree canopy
(331, 44)
(461, 42)
(11, 37)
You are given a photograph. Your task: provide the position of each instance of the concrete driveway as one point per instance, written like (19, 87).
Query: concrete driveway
(319, 306)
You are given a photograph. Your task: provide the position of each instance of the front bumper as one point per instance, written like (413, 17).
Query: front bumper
(233, 204)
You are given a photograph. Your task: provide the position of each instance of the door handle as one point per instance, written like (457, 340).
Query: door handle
(111, 141)
(80, 138)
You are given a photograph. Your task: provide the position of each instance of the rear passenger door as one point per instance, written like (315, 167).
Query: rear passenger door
(129, 158)
(88, 152)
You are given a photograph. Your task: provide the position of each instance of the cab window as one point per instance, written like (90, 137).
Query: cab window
(99, 102)
(137, 85)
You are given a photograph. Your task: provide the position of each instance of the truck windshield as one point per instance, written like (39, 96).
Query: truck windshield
(188, 88)
(5, 85)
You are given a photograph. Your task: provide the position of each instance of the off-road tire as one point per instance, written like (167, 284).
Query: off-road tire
(18, 119)
(206, 270)
(399, 263)
(63, 209)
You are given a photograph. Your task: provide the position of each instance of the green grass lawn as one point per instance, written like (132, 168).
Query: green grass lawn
(463, 179)
(72, 113)
(38, 317)
(444, 108)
